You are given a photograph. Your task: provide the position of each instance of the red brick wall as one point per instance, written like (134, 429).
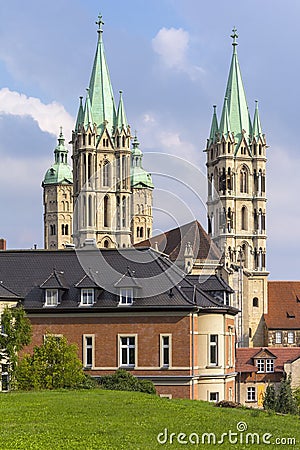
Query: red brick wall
(106, 330)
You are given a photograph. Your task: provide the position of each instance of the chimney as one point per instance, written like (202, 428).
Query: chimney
(2, 244)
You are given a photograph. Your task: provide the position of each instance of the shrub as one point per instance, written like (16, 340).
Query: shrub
(53, 365)
(269, 401)
(122, 380)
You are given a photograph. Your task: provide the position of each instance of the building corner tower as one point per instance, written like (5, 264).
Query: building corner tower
(236, 205)
(58, 200)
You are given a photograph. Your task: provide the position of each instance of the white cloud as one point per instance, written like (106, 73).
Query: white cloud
(48, 116)
(156, 135)
(172, 45)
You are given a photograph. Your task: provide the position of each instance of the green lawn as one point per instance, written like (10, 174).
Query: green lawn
(96, 419)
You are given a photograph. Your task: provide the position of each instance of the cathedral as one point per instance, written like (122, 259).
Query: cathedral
(106, 198)
(198, 328)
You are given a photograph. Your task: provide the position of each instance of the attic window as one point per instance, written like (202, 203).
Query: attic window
(51, 297)
(126, 296)
(290, 315)
(87, 297)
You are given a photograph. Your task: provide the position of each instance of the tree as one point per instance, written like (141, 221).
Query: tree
(53, 365)
(285, 401)
(16, 333)
(269, 401)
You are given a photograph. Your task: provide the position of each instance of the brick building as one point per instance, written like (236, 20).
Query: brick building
(283, 319)
(256, 367)
(142, 314)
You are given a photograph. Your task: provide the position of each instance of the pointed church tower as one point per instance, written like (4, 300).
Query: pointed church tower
(141, 202)
(58, 200)
(236, 170)
(101, 162)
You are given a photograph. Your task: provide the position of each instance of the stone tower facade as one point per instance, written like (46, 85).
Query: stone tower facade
(236, 171)
(58, 200)
(102, 156)
(141, 200)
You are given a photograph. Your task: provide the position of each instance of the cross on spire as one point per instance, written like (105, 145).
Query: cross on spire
(234, 36)
(100, 23)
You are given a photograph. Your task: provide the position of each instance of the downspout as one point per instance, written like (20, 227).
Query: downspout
(193, 346)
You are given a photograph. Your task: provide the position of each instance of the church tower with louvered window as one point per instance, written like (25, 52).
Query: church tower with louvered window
(236, 171)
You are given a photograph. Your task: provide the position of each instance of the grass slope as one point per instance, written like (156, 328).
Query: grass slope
(96, 419)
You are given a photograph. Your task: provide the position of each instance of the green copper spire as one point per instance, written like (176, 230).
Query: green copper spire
(214, 127)
(121, 115)
(257, 131)
(225, 123)
(138, 176)
(101, 93)
(238, 114)
(87, 114)
(60, 172)
(80, 115)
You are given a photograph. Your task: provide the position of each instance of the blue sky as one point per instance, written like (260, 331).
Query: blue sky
(171, 59)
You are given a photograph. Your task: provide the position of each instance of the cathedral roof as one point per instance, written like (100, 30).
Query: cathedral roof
(235, 118)
(60, 172)
(235, 98)
(173, 243)
(101, 97)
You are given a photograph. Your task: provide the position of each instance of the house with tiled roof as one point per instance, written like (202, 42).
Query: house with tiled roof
(258, 366)
(283, 318)
(131, 309)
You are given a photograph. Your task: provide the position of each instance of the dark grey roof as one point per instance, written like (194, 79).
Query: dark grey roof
(7, 294)
(162, 284)
(211, 283)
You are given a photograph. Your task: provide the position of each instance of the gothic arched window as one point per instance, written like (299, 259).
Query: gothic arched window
(244, 218)
(106, 174)
(105, 217)
(244, 181)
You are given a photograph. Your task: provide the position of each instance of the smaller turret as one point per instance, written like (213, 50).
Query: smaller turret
(58, 199)
(142, 187)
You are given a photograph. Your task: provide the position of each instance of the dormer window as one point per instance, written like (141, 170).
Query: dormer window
(51, 297)
(87, 297)
(126, 296)
(265, 365)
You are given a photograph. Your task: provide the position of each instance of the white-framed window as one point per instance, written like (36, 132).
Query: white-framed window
(165, 350)
(269, 365)
(127, 351)
(126, 296)
(214, 396)
(88, 350)
(251, 394)
(230, 346)
(260, 363)
(291, 337)
(213, 350)
(87, 296)
(51, 297)
(278, 337)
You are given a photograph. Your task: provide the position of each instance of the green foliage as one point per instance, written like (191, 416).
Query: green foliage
(53, 365)
(285, 401)
(282, 401)
(16, 333)
(122, 380)
(269, 402)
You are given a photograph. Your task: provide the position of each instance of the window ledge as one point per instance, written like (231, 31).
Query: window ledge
(213, 367)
